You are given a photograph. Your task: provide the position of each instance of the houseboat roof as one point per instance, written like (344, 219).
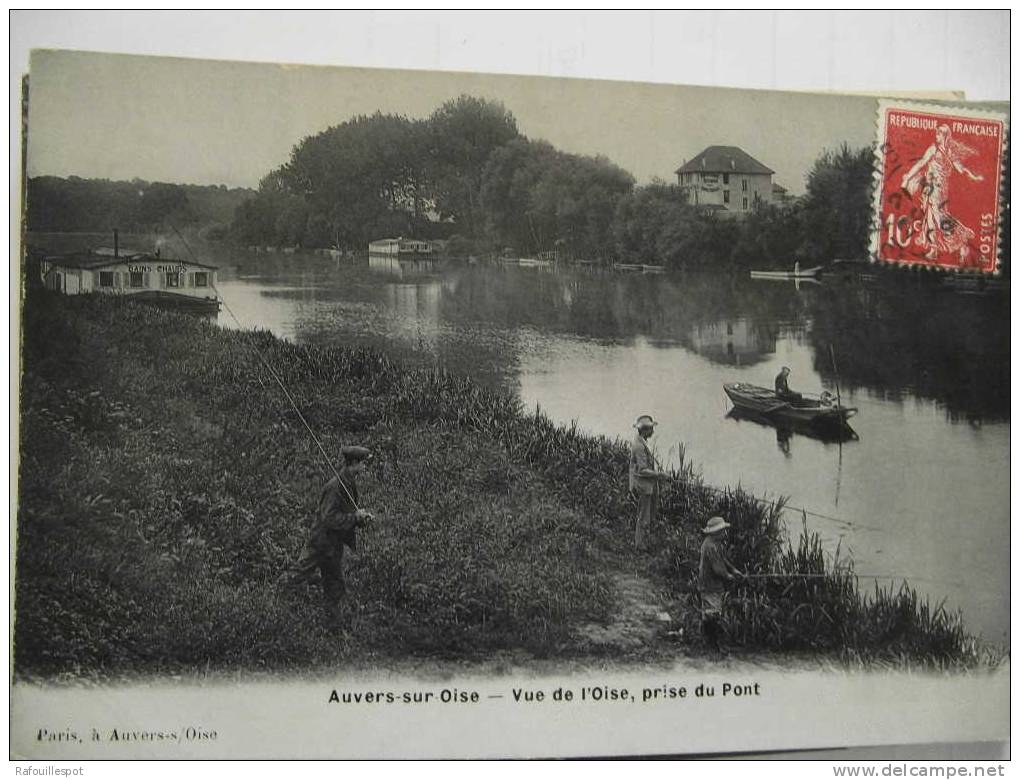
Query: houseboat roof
(100, 259)
(724, 159)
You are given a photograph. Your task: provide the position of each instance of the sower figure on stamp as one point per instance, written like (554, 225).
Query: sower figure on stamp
(644, 479)
(929, 177)
(714, 571)
(338, 518)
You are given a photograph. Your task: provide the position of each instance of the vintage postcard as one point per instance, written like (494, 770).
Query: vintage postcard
(379, 413)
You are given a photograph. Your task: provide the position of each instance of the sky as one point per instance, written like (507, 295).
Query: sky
(212, 122)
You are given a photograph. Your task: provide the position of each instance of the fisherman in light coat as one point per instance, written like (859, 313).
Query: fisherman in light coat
(338, 518)
(644, 479)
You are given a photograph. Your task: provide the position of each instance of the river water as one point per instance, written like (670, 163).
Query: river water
(921, 493)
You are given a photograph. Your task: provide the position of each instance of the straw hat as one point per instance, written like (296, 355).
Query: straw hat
(645, 421)
(715, 525)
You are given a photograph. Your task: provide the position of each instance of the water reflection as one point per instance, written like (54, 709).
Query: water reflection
(418, 303)
(906, 340)
(400, 268)
(896, 342)
(601, 348)
(737, 342)
(787, 429)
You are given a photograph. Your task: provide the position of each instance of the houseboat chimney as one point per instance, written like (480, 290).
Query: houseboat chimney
(116, 245)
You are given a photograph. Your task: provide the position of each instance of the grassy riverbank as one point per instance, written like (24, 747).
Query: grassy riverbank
(165, 485)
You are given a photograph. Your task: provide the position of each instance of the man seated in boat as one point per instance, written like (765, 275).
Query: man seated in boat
(783, 391)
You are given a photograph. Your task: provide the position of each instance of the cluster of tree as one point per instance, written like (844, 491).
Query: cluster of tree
(56, 204)
(655, 224)
(537, 198)
(467, 172)
(464, 171)
(380, 175)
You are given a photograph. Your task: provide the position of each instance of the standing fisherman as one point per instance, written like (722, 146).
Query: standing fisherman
(644, 479)
(338, 519)
(713, 572)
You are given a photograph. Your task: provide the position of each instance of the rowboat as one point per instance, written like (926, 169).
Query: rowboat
(796, 273)
(785, 429)
(764, 402)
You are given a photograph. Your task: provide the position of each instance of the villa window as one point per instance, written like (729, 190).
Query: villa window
(743, 184)
(745, 204)
(106, 278)
(173, 278)
(137, 279)
(725, 196)
(725, 178)
(201, 278)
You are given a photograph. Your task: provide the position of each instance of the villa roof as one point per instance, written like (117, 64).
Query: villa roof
(724, 159)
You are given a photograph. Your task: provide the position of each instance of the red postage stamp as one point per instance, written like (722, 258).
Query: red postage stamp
(937, 200)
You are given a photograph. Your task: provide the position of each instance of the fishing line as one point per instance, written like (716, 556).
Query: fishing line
(811, 575)
(766, 502)
(275, 376)
(784, 508)
(793, 508)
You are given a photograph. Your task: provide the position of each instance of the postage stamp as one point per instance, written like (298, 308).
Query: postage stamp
(939, 177)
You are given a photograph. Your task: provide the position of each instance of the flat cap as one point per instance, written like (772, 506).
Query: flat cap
(354, 453)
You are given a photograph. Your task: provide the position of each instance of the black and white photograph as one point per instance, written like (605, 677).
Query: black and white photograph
(429, 401)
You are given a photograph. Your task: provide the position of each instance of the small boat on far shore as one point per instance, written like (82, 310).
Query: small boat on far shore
(765, 402)
(639, 268)
(796, 273)
(527, 262)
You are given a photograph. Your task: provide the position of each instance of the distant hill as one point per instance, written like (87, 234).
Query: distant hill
(56, 204)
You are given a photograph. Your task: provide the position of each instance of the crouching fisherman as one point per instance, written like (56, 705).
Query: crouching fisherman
(338, 518)
(714, 572)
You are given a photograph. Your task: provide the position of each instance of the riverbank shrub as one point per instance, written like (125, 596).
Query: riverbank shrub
(166, 485)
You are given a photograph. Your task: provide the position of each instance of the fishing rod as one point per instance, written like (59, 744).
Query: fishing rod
(835, 371)
(275, 376)
(813, 575)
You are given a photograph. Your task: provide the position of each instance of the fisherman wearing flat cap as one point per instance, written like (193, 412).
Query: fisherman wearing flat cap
(783, 391)
(644, 479)
(338, 518)
(714, 572)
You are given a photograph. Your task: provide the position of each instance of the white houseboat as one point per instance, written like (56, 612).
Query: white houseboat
(400, 247)
(146, 276)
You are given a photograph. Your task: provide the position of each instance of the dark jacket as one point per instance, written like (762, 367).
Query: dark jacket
(337, 519)
(782, 385)
(714, 569)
